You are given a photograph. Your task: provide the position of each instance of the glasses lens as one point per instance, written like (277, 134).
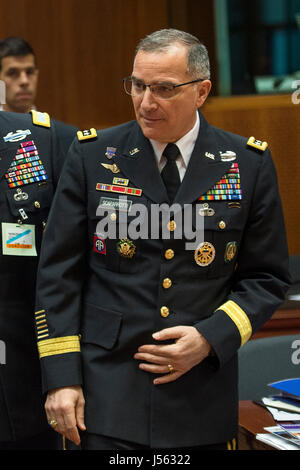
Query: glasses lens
(136, 87)
(133, 87)
(127, 85)
(163, 92)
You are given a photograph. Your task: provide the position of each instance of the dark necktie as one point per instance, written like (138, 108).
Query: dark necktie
(170, 173)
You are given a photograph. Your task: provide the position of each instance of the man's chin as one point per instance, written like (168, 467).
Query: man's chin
(23, 106)
(151, 131)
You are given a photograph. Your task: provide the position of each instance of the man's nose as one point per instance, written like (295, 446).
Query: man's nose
(148, 100)
(23, 78)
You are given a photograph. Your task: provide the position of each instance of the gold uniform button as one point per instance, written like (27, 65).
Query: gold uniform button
(169, 254)
(167, 283)
(171, 225)
(165, 312)
(37, 205)
(113, 216)
(222, 225)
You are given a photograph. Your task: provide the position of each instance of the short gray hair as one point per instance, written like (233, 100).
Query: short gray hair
(197, 56)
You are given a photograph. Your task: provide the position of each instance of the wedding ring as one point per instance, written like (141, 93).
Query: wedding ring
(53, 423)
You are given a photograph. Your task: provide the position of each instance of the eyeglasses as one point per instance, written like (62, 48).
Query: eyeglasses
(164, 91)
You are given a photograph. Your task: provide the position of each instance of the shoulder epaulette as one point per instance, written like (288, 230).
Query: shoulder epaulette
(87, 134)
(40, 119)
(257, 144)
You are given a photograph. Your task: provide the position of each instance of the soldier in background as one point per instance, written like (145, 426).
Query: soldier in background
(19, 72)
(31, 158)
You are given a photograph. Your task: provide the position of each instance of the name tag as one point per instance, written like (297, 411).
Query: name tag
(18, 240)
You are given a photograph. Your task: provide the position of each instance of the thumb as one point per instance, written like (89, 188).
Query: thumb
(80, 415)
(168, 333)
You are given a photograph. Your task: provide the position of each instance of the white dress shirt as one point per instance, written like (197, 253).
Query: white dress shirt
(185, 145)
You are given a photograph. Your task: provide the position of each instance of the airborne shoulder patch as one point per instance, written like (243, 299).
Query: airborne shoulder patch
(257, 144)
(87, 134)
(40, 119)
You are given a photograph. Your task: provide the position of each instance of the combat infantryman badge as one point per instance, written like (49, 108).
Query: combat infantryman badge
(16, 136)
(126, 248)
(204, 254)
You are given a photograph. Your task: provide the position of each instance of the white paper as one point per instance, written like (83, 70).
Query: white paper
(280, 404)
(276, 441)
(280, 415)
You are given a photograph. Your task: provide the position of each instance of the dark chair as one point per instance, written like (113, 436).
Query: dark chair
(266, 360)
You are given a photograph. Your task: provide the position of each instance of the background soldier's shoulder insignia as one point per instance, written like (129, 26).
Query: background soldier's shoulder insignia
(87, 134)
(257, 144)
(40, 119)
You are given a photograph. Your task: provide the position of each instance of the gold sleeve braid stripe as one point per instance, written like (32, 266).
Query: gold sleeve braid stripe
(62, 345)
(41, 324)
(239, 317)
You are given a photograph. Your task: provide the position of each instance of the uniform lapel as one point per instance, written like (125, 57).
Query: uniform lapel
(139, 165)
(202, 172)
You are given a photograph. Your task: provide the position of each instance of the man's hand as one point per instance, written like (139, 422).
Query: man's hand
(66, 407)
(173, 360)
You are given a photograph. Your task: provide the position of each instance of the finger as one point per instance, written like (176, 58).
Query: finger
(154, 359)
(80, 415)
(53, 423)
(161, 351)
(70, 429)
(155, 369)
(168, 333)
(167, 378)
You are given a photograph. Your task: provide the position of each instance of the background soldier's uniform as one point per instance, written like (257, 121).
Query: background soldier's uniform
(107, 299)
(23, 201)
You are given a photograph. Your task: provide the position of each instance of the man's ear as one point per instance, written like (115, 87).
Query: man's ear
(203, 92)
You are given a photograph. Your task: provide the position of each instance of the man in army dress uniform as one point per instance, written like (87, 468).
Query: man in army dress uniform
(140, 341)
(31, 159)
